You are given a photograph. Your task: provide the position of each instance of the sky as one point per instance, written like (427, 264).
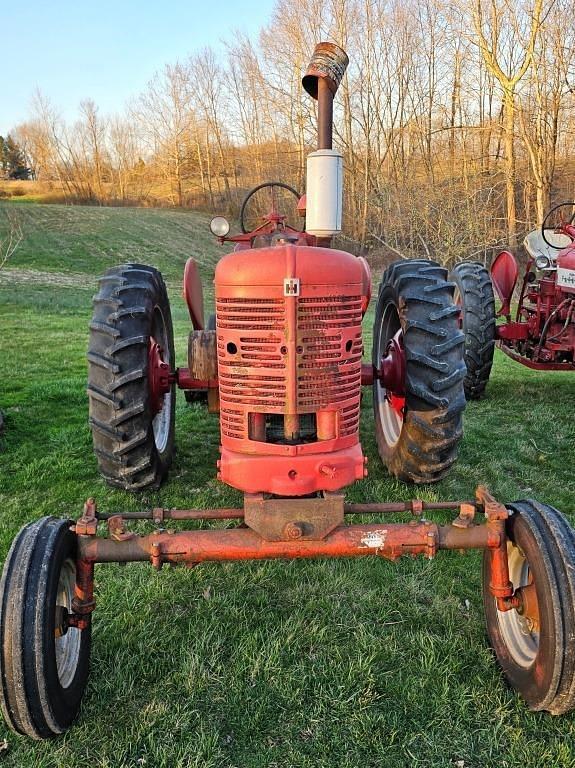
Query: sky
(105, 50)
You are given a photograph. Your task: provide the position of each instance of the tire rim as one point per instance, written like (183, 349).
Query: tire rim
(162, 420)
(68, 644)
(518, 633)
(390, 407)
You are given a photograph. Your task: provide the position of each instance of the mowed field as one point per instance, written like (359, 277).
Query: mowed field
(287, 664)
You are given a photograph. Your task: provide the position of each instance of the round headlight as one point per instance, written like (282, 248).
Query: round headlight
(219, 226)
(542, 262)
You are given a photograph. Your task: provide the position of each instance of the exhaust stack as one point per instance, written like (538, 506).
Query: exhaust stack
(324, 167)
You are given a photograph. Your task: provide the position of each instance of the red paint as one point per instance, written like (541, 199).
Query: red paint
(536, 366)
(389, 540)
(289, 348)
(185, 381)
(543, 334)
(504, 272)
(193, 294)
(512, 331)
(391, 372)
(398, 404)
(159, 376)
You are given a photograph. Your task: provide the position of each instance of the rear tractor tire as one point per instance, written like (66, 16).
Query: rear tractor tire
(474, 295)
(418, 418)
(44, 664)
(535, 648)
(131, 331)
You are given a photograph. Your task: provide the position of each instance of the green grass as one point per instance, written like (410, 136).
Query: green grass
(327, 663)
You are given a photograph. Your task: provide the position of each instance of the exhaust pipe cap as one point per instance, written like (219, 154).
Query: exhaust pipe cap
(328, 61)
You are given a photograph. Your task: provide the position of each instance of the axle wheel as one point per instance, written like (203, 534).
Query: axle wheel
(474, 294)
(43, 662)
(130, 357)
(534, 644)
(418, 393)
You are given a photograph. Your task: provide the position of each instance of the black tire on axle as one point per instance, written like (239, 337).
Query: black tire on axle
(475, 293)
(540, 665)
(43, 678)
(133, 446)
(414, 296)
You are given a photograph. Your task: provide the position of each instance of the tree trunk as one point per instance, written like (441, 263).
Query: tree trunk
(509, 143)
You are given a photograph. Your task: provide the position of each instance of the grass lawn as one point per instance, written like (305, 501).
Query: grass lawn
(287, 664)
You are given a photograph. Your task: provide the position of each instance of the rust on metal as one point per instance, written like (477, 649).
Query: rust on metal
(527, 604)
(281, 519)
(494, 510)
(117, 528)
(496, 513)
(415, 507)
(466, 516)
(202, 355)
(159, 514)
(83, 602)
(328, 63)
(87, 525)
(388, 540)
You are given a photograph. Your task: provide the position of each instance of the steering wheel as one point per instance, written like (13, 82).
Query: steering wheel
(263, 208)
(561, 223)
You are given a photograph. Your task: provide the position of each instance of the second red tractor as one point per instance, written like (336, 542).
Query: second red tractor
(542, 333)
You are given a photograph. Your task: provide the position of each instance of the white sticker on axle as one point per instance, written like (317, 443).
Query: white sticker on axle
(374, 539)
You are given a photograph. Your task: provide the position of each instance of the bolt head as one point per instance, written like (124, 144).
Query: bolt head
(293, 531)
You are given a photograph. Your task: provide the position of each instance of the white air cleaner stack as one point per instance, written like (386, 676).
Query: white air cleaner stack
(324, 192)
(324, 167)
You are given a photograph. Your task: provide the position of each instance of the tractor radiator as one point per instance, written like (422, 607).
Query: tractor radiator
(289, 350)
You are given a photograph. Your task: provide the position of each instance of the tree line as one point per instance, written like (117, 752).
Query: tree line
(13, 160)
(455, 120)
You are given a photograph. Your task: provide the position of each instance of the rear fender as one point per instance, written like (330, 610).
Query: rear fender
(504, 272)
(194, 294)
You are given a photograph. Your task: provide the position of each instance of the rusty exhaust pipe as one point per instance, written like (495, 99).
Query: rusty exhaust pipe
(325, 166)
(321, 80)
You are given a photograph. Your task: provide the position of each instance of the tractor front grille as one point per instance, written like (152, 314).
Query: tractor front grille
(251, 368)
(329, 369)
(253, 361)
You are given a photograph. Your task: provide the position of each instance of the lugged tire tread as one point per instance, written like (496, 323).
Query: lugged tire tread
(478, 313)
(432, 428)
(117, 377)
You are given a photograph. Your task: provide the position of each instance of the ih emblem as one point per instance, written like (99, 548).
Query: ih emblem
(291, 286)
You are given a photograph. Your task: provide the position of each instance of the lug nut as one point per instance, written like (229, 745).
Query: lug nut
(293, 531)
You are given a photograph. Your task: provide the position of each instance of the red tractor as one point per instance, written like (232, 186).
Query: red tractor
(542, 336)
(282, 364)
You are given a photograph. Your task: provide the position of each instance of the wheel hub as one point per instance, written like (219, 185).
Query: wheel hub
(67, 639)
(391, 374)
(159, 376)
(520, 626)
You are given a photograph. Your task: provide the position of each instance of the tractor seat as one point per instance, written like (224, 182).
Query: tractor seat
(536, 246)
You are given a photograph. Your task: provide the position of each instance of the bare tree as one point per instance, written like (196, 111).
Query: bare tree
(11, 240)
(540, 111)
(507, 35)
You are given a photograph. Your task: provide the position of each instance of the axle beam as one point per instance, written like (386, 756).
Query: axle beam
(190, 547)
(274, 534)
